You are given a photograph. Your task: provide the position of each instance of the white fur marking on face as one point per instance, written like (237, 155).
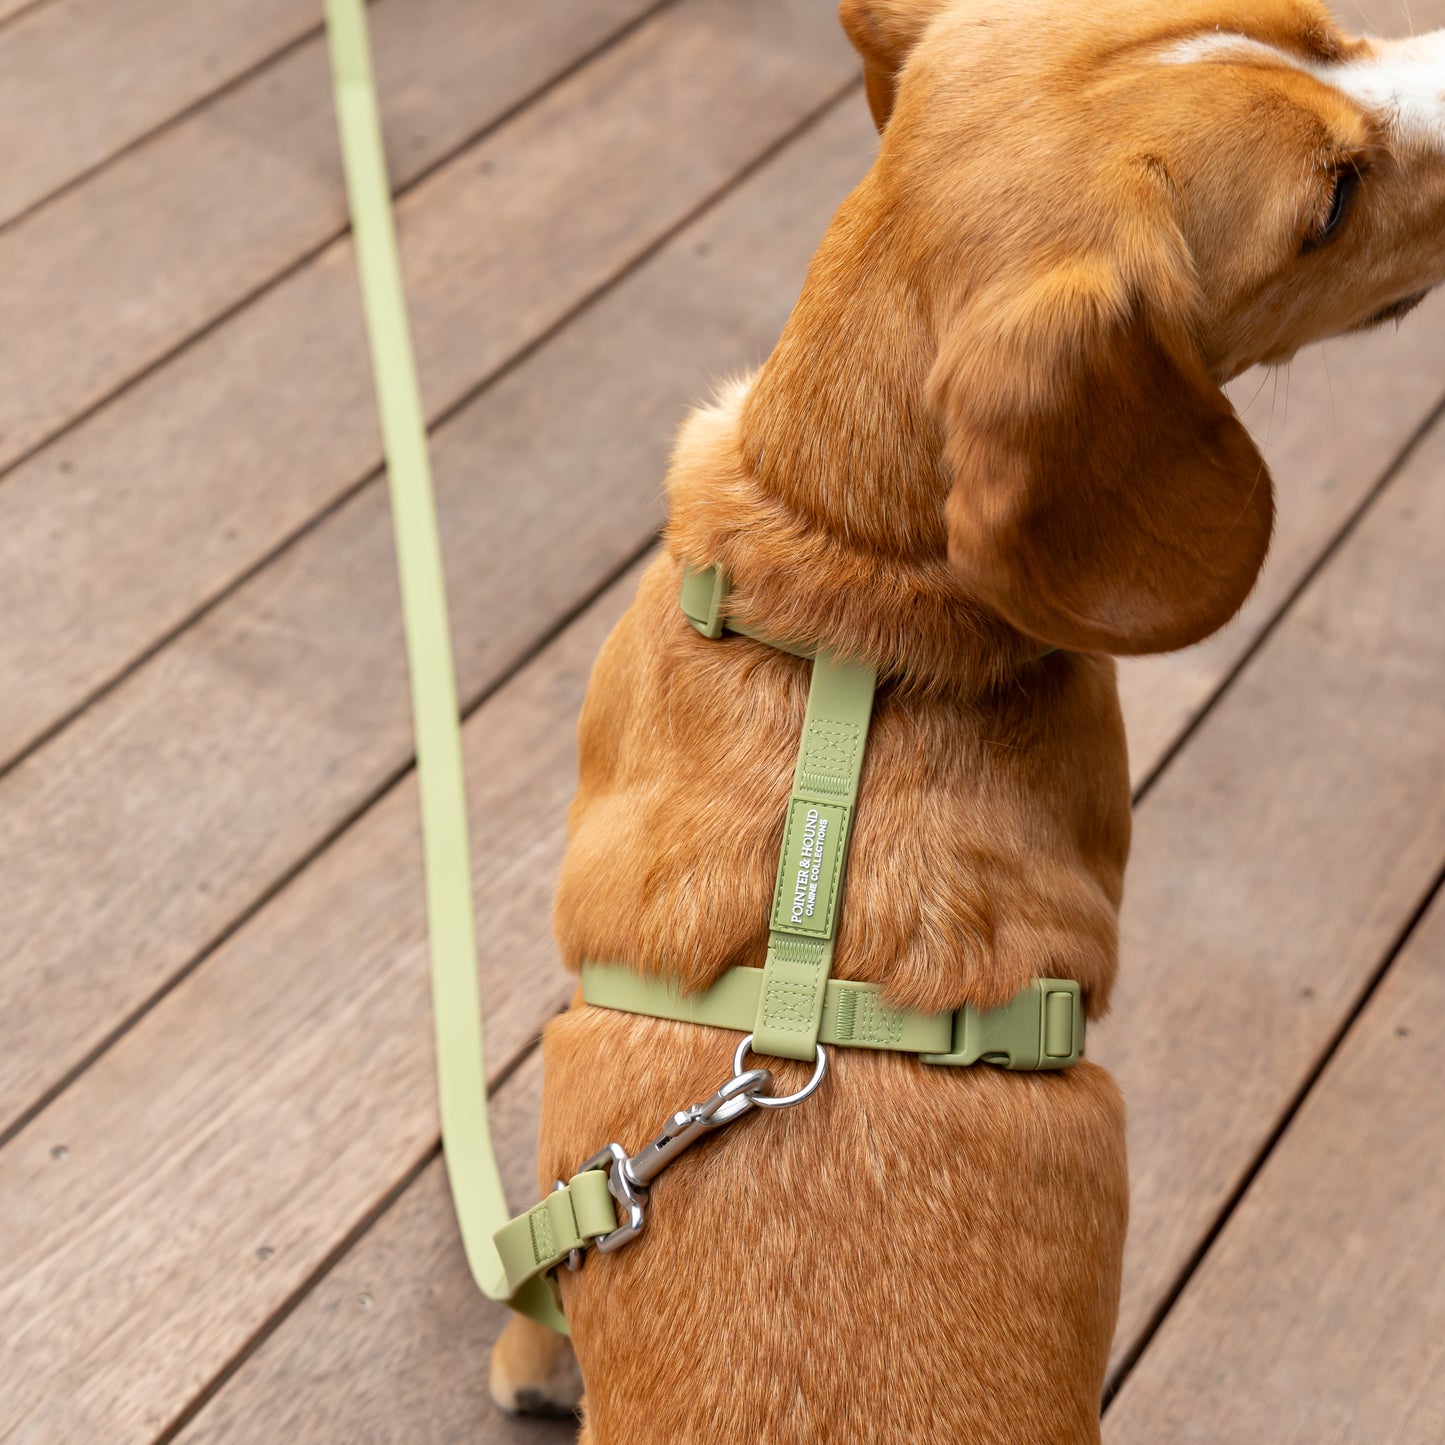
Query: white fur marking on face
(1400, 82)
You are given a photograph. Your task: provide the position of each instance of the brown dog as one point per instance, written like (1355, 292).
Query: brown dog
(993, 424)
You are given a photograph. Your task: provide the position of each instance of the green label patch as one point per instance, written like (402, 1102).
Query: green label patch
(811, 868)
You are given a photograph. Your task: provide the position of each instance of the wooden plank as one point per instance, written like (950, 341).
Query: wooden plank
(116, 533)
(80, 79)
(1319, 1313)
(191, 1181)
(392, 1345)
(165, 812)
(117, 272)
(1273, 864)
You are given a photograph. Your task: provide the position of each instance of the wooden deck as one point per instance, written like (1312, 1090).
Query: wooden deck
(222, 1210)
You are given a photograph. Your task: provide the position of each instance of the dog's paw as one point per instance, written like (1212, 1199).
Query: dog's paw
(534, 1371)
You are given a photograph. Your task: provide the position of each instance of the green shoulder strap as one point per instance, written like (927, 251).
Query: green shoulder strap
(461, 1072)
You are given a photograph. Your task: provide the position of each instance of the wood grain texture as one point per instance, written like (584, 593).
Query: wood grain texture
(169, 809)
(122, 528)
(117, 272)
(164, 1207)
(1272, 867)
(79, 79)
(1318, 1314)
(392, 1345)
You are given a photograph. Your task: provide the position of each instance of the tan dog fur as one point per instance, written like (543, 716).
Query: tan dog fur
(992, 424)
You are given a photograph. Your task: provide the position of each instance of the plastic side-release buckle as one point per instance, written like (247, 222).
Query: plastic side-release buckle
(1040, 1028)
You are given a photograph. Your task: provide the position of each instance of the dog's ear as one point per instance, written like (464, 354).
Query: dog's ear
(883, 32)
(1105, 497)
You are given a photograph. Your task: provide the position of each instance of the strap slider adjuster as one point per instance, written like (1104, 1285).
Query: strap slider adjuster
(704, 589)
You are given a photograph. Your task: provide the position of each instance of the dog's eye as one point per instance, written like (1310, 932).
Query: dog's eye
(1347, 184)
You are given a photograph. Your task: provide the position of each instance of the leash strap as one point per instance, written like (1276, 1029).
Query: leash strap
(461, 1070)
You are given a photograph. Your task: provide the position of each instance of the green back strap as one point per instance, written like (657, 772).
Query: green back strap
(809, 888)
(791, 1001)
(806, 897)
(461, 1071)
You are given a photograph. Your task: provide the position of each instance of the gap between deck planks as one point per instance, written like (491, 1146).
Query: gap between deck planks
(1318, 1315)
(201, 217)
(1334, 721)
(81, 79)
(316, 713)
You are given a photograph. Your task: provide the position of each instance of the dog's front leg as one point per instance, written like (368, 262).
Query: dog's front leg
(534, 1371)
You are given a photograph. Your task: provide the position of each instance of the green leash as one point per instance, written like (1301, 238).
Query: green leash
(461, 1069)
(789, 1008)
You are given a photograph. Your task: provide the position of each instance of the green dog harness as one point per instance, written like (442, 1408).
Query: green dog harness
(790, 1008)
(791, 1004)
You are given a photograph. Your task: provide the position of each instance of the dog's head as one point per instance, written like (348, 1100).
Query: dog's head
(1108, 209)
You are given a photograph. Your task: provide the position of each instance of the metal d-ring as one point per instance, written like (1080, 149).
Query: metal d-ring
(783, 1101)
